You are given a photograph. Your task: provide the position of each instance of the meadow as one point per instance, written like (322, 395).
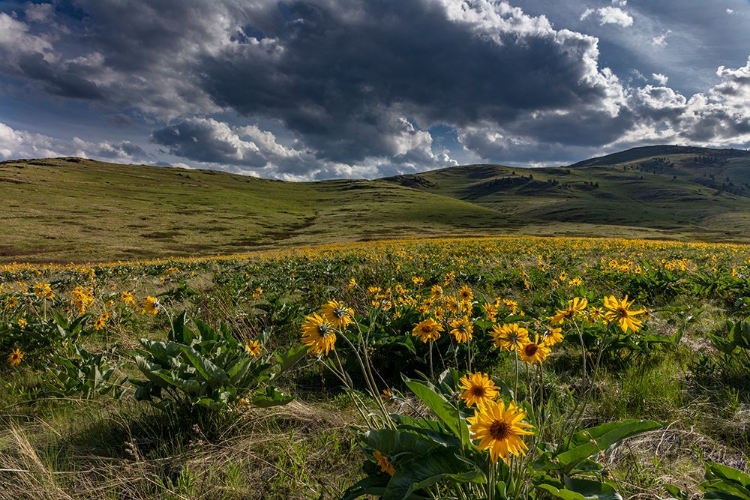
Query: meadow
(526, 367)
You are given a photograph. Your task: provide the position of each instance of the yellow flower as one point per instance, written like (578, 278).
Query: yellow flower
(318, 334)
(490, 312)
(11, 302)
(533, 352)
(462, 328)
(499, 429)
(384, 463)
(509, 336)
(465, 294)
(101, 321)
(620, 311)
(418, 281)
(427, 330)
(128, 298)
(478, 389)
(452, 305)
(15, 357)
(575, 306)
(352, 283)
(553, 335)
(253, 348)
(43, 291)
(257, 292)
(337, 314)
(150, 305)
(512, 305)
(22, 323)
(437, 292)
(386, 394)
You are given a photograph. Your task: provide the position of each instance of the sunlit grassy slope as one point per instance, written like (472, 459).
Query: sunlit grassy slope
(73, 209)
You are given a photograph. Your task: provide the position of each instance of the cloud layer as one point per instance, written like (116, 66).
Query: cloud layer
(303, 90)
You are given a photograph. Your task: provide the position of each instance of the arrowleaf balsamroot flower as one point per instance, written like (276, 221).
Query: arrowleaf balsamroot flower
(253, 348)
(15, 357)
(462, 328)
(509, 336)
(478, 389)
(150, 305)
(576, 305)
(337, 314)
(499, 429)
(318, 334)
(533, 352)
(619, 311)
(384, 463)
(427, 330)
(465, 294)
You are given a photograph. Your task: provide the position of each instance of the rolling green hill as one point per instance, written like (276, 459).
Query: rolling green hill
(70, 209)
(685, 191)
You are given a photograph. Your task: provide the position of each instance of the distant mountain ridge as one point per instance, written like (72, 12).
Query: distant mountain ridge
(77, 209)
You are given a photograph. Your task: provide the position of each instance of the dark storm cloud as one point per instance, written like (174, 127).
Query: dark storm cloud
(341, 74)
(57, 81)
(352, 86)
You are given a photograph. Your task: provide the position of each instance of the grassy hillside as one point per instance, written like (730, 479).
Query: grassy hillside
(688, 192)
(72, 209)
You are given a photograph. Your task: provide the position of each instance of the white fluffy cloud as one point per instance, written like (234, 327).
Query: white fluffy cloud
(24, 144)
(610, 15)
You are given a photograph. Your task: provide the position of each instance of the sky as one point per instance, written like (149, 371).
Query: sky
(321, 89)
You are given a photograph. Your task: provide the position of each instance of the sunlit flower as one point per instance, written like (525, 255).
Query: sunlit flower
(318, 334)
(352, 283)
(553, 335)
(436, 292)
(43, 291)
(151, 305)
(257, 293)
(337, 314)
(511, 304)
(509, 336)
(417, 280)
(101, 321)
(253, 348)
(127, 298)
(384, 463)
(533, 352)
(461, 329)
(386, 394)
(478, 389)
(620, 312)
(427, 330)
(465, 294)
(15, 357)
(575, 306)
(22, 323)
(499, 429)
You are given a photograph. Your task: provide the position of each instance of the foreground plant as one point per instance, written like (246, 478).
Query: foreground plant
(201, 367)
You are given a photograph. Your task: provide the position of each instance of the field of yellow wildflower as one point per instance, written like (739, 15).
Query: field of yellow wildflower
(425, 368)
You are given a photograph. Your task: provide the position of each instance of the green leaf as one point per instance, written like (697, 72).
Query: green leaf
(443, 409)
(395, 442)
(289, 358)
(560, 493)
(592, 489)
(605, 436)
(720, 471)
(212, 374)
(440, 465)
(270, 397)
(371, 485)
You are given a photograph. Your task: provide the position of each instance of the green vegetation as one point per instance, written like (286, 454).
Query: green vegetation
(626, 362)
(69, 209)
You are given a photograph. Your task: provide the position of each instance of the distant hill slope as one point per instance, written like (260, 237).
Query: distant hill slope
(71, 209)
(684, 190)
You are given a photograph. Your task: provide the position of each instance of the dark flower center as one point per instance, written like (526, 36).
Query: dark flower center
(478, 391)
(530, 349)
(499, 430)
